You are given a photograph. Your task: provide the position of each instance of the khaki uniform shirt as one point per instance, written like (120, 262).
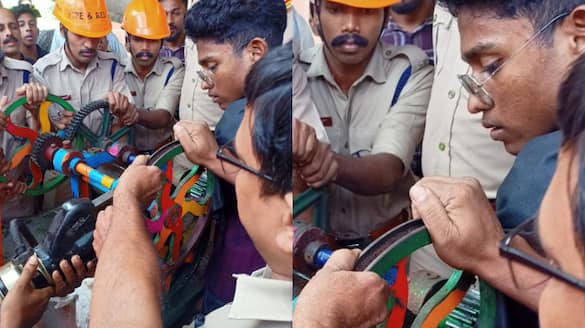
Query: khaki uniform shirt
(259, 302)
(80, 88)
(11, 78)
(362, 123)
(455, 143)
(161, 89)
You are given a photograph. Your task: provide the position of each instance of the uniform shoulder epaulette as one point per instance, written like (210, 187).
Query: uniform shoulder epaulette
(49, 60)
(17, 65)
(308, 55)
(174, 61)
(417, 58)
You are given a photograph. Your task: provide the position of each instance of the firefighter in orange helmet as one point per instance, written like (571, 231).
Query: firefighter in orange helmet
(154, 82)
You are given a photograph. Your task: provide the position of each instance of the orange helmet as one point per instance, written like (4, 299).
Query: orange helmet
(87, 18)
(146, 19)
(367, 4)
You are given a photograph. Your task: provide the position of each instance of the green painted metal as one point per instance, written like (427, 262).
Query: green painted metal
(53, 183)
(385, 252)
(316, 198)
(458, 280)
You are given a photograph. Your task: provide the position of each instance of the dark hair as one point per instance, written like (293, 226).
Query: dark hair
(571, 121)
(185, 3)
(268, 91)
(538, 12)
(237, 21)
(25, 9)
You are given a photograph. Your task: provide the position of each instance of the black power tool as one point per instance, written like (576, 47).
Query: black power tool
(70, 233)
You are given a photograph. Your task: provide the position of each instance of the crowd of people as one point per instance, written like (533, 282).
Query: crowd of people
(466, 114)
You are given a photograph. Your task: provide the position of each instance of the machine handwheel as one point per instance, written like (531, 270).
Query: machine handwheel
(384, 257)
(83, 136)
(179, 214)
(35, 186)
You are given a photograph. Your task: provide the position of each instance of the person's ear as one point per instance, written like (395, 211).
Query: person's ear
(62, 30)
(574, 27)
(256, 49)
(285, 236)
(127, 44)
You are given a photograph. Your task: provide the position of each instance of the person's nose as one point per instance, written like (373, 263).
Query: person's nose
(476, 105)
(352, 23)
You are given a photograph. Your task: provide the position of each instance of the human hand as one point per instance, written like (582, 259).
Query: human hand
(339, 297)
(64, 118)
(462, 224)
(138, 185)
(3, 118)
(313, 159)
(197, 140)
(11, 189)
(122, 108)
(102, 227)
(24, 305)
(71, 277)
(35, 94)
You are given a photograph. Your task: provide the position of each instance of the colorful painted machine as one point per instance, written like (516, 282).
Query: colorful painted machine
(451, 303)
(176, 219)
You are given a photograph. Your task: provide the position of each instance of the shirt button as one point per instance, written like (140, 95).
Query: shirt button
(388, 52)
(451, 94)
(442, 146)
(343, 210)
(188, 105)
(193, 80)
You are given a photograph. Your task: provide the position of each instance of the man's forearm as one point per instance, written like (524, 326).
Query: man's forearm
(369, 175)
(127, 287)
(498, 274)
(154, 119)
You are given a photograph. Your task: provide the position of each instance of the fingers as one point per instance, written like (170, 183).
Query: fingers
(79, 268)
(35, 93)
(140, 160)
(341, 260)
(29, 270)
(322, 169)
(3, 102)
(431, 210)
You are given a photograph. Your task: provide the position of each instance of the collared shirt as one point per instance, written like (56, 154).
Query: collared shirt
(455, 143)
(421, 37)
(362, 122)
(258, 302)
(12, 74)
(160, 89)
(166, 52)
(79, 88)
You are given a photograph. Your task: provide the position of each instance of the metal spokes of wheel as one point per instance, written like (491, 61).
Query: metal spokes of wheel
(179, 215)
(28, 136)
(82, 136)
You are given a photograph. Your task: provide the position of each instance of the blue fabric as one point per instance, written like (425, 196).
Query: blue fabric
(522, 190)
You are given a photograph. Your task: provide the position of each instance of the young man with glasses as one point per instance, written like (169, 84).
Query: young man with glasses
(226, 52)
(518, 52)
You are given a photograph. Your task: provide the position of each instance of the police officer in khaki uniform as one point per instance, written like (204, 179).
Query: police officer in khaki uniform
(15, 81)
(154, 82)
(81, 74)
(372, 100)
(78, 72)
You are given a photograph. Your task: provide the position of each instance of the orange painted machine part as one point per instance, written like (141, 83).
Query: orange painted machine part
(442, 310)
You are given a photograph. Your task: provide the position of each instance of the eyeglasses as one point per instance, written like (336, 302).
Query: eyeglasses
(227, 153)
(205, 76)
(477, 89)
(528, 228)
